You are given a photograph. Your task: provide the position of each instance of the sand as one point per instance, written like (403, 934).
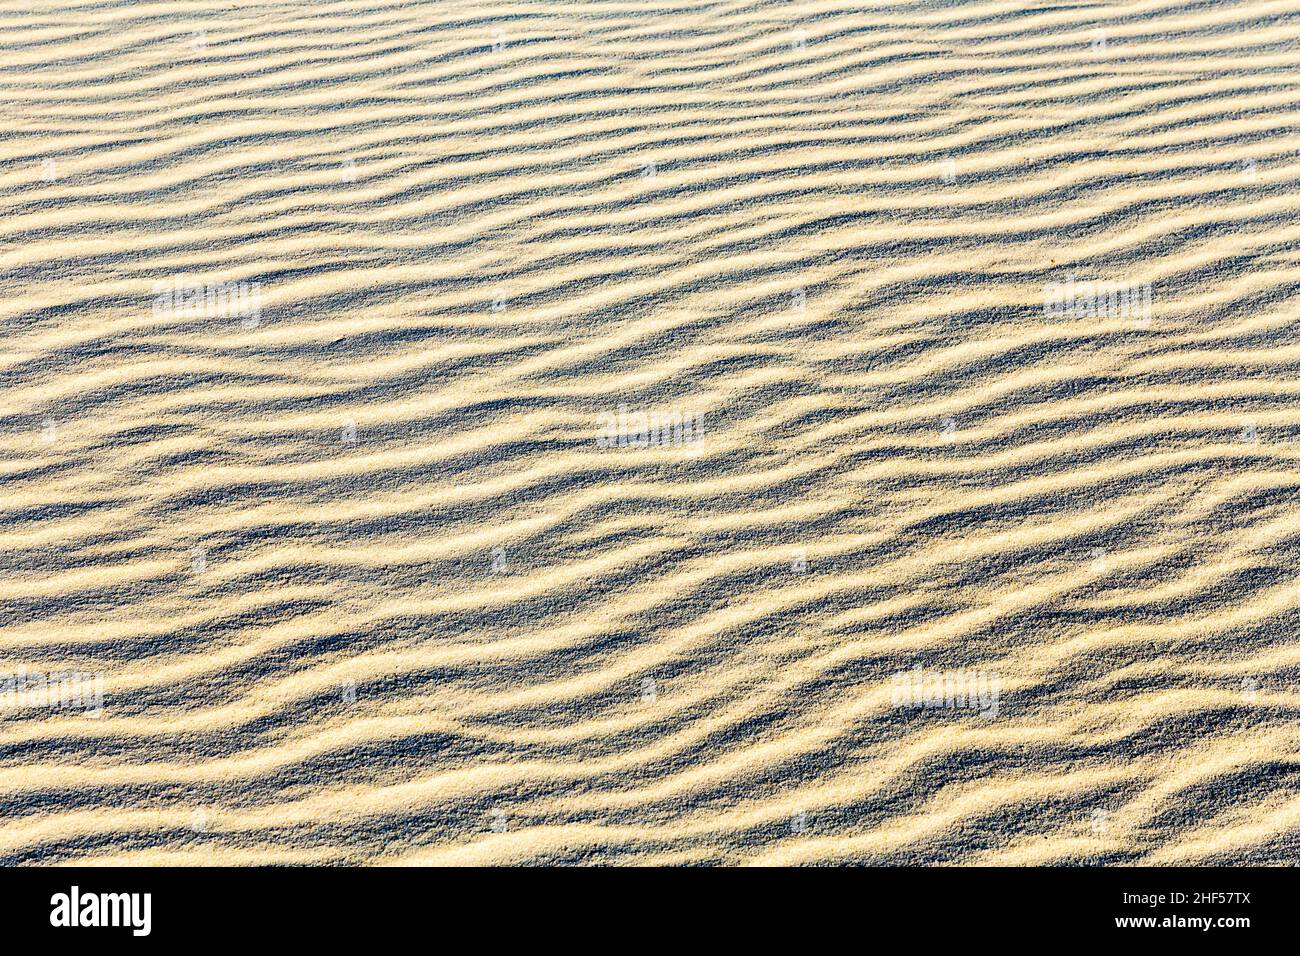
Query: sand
(624, 433)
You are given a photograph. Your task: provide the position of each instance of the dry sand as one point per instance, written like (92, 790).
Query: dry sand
(362, 579)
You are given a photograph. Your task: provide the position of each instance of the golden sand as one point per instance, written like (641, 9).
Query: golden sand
(609, 432)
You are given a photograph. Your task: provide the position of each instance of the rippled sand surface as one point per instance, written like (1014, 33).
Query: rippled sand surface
(620, 432)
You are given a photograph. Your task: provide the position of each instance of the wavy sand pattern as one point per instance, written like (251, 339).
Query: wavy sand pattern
(367, 581)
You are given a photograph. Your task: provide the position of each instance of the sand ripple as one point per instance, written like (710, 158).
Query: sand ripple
(315, 319)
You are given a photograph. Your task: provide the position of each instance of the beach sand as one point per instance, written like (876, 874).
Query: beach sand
(650, 433)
